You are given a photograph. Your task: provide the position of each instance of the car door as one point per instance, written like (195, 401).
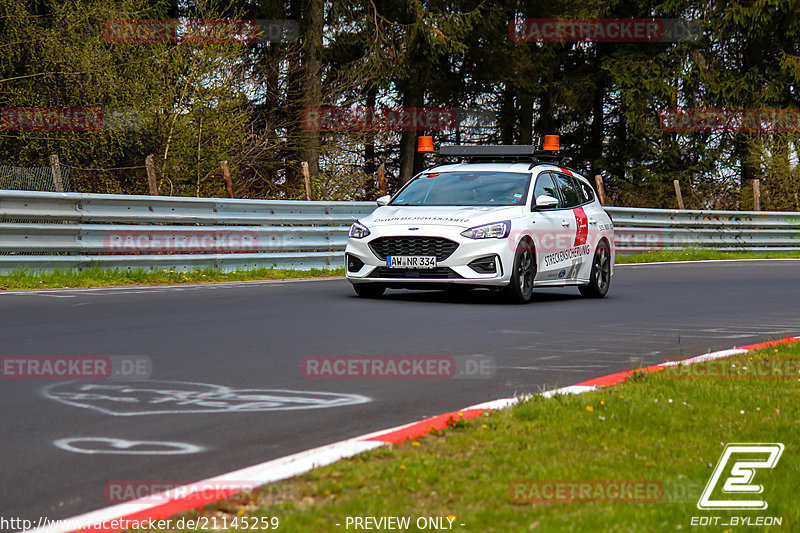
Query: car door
(598, 222)
(553, 230)
(576, 222)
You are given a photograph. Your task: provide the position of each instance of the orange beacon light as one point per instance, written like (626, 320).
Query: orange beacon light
(425, 143)
(551, 143)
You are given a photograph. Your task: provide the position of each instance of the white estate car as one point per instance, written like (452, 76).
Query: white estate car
(507, 217)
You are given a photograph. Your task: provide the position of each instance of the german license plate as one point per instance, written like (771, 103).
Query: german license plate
(411, 261)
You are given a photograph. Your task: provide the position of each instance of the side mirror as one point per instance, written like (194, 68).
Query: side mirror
(383, 200)
(546, 202)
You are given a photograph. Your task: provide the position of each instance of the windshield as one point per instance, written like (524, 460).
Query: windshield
(465, 188)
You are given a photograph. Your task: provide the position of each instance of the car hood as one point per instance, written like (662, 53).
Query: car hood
(461, 216)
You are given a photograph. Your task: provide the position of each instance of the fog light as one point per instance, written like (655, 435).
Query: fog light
(354, 264)
(484, 265)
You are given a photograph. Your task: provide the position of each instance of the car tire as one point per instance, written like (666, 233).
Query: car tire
(523, 274)
(600, 277)
(369, 290)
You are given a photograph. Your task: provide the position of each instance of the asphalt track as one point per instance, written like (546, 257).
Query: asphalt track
(253, 336)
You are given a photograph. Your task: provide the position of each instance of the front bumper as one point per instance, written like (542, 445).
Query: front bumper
(454, 269)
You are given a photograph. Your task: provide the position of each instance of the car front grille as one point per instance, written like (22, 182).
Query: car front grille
(439, 247)
(414, 273)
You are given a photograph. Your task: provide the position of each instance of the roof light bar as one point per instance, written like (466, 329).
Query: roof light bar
(510, 152)
(519, 152)
(504, 151)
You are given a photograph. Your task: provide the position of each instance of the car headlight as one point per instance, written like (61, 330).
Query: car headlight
(358, 231)
(497, 230)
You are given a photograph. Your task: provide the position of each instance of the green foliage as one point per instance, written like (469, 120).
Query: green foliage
(200, 103)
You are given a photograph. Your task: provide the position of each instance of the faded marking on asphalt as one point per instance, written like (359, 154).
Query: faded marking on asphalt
(105, 445)
(178, 397)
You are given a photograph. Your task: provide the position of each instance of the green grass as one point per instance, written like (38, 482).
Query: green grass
(96, 277)
(651, 428)
(699, 254)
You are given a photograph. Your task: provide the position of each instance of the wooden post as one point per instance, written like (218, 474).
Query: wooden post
(306, 178)
(756, 195)
(226, 175)
(678, 193)
(151, 175)
(601, 190)
(55, 167)
(382, 179)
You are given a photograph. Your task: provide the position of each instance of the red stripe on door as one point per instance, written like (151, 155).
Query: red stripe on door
(583, 226)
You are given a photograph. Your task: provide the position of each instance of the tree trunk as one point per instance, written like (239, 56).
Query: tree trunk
(598, 115)
(409, 161)
(311, 25)
(370, 165)
(507, 116)
(545, 123)
(526, 118)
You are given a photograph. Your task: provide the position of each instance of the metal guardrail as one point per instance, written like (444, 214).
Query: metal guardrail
(47, 231)
(640, 230)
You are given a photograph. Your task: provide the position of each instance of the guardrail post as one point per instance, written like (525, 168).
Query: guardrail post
(151, 175)
(678, 193)
(306, 178)
(382, 179)
(756, 194)
(226, 175)
(601, 190)
(55, 167)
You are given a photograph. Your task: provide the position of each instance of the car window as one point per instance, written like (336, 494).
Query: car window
(465, 188)
(545, 186)
(569, 191)
(585, 190)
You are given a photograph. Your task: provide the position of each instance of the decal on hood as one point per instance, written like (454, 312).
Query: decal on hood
(419, 218)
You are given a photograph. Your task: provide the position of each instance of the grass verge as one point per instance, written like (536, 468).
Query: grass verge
(699, 254)
(660, 428)
(96, 277)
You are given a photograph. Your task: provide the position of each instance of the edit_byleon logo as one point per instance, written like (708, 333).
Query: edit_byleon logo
(746, 459)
